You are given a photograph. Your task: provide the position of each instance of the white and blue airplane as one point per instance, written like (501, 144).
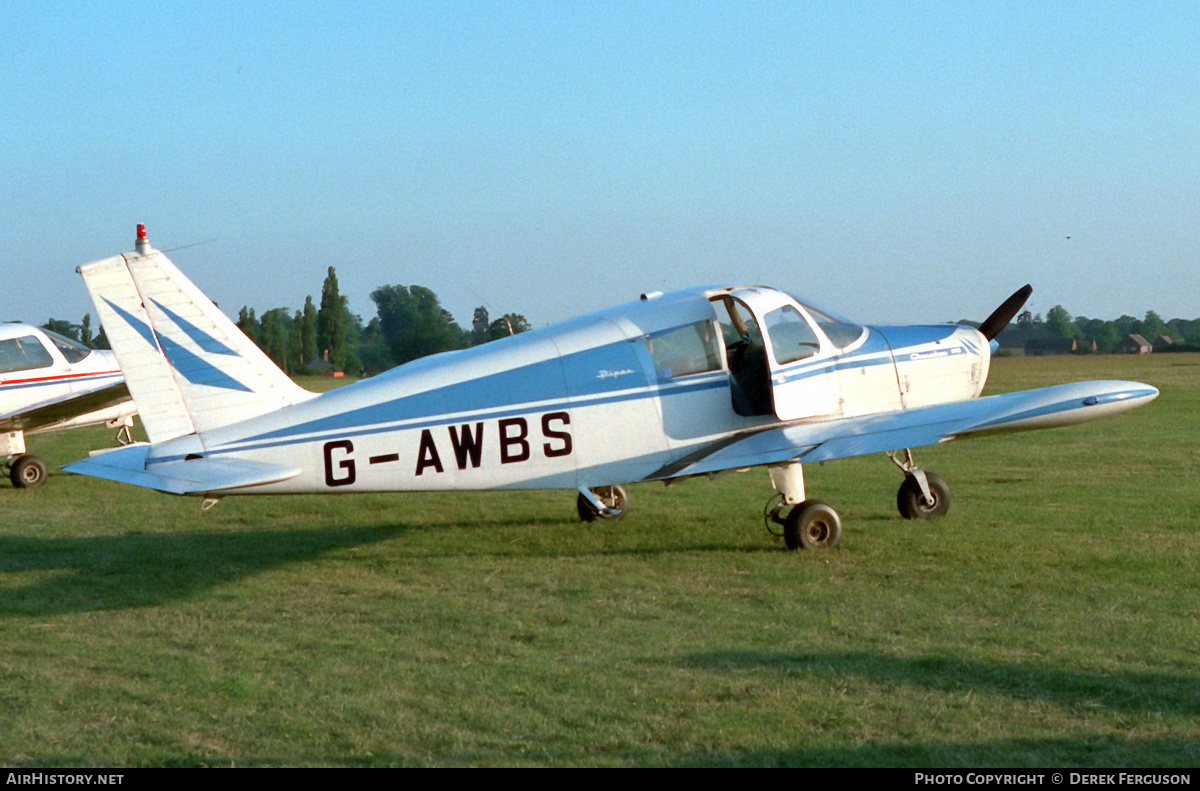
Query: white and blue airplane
(690, 383)
(47, 383)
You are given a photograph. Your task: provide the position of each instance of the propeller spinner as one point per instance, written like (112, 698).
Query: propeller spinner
(1002, 315)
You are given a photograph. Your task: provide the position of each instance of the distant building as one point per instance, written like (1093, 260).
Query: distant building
(1134, 344)
(1162, 342)
(316, 366)
(1018, 340)
(1040, 347)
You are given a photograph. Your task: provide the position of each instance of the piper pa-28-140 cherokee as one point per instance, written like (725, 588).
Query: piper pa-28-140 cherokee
(48, 383)
(689, 383)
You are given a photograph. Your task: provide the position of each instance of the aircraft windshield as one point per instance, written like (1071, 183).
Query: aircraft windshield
(841, 331)
(74, 351)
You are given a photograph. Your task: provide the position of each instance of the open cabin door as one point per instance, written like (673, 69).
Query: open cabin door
(778, 360)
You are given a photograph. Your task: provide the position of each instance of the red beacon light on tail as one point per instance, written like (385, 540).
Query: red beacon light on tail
(142, 245)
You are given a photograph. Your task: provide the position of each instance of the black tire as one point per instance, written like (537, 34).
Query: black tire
(812, 525)
(612, 496)
(912, 504)
(28, 472)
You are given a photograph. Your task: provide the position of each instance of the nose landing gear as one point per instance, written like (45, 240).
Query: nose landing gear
(923, 495)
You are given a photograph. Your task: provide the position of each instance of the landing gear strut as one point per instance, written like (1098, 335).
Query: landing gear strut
(124, 436)
(812, 524)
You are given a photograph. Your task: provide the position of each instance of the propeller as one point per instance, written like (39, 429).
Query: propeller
(1002, 315)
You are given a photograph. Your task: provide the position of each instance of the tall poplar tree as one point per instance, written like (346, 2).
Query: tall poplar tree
(331, 318)
(308, 331)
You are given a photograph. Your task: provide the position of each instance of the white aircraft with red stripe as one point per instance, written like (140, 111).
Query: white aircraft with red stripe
(47, 383)
(695, 382)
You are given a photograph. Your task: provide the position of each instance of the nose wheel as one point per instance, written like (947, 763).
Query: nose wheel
(923, 495)
(914, 504)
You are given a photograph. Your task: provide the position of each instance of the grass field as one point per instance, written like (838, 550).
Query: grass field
(1052, 619)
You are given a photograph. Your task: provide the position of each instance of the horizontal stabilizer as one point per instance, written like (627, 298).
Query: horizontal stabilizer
(190, 476)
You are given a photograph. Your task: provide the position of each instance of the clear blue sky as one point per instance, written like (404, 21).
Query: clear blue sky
(895, 161)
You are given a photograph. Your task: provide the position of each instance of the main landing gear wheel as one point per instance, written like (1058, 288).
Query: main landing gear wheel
(912, 503)
(27, 472)
(613, 497)
(812, 525)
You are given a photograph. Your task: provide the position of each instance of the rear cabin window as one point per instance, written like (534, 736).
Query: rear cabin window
(685, 350)
(791, 336)
(23, 354)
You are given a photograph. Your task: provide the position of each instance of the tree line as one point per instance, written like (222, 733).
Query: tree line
(409, 323)
(81, 332)
(1107, 334)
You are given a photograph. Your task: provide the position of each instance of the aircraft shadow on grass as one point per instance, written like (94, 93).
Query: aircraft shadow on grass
(1077, 752)
(145, 570)
(1126, 692)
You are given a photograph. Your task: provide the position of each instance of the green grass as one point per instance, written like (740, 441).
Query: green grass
(1052, 618)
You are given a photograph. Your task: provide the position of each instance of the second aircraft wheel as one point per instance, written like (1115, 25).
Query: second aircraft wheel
(27, 472)
(812, 525)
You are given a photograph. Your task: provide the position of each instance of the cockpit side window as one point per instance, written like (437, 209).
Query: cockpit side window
(23, 354)
(792, 338)
(692, 349)
(73, 351)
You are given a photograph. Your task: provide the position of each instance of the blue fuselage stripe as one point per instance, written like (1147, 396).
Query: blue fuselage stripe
(540, 387)
(417, 423)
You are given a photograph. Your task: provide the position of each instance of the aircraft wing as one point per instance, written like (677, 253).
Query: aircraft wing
(1045, 407)
(57, 410)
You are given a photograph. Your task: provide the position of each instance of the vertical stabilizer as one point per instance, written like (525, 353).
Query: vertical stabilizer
(127, 326)
(181, 356)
